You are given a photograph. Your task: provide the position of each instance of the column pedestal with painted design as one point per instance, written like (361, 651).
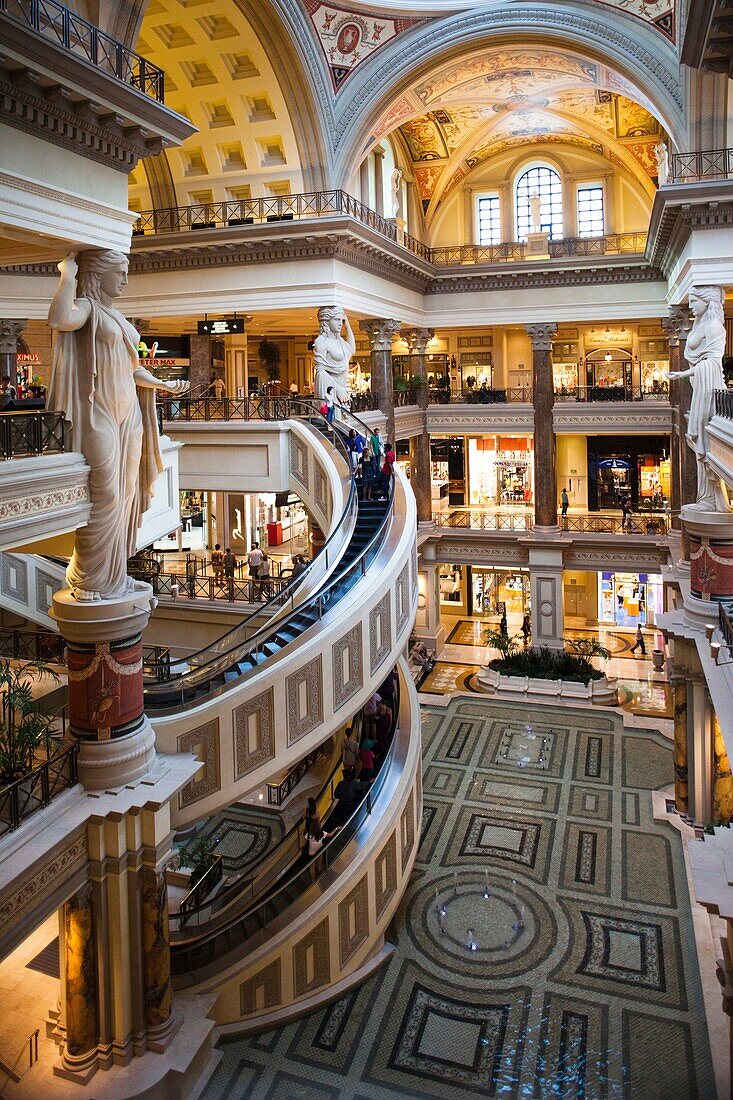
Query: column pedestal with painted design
(710, 537)
(106, 716)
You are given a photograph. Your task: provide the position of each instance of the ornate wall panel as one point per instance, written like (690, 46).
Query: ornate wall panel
(46, 585)
(380, 632)
(353, 920)
(204, 743)
(320, 489)
(263, 990)
(311, 960)
(299, 461)
(407, 830)
(385, 874)
(14, 580)
(348, 666)
(304, 690)
(402, 598)
(254, 733)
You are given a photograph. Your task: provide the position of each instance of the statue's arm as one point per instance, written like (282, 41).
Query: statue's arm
(148, 381)
(681, 373)
(349, 339)
(68, 313)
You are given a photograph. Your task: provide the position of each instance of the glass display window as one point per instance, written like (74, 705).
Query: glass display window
(614, 481)
(609, 369)
(630, 599)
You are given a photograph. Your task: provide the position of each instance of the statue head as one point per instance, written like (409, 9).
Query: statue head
(707, 301)
(101, 271)
(330, 319)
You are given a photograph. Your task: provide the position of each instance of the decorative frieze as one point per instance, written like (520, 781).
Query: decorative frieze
(380, 632)
(348, 666)
(353, 917)
(304, 691)
(203, 742)
(311, 960)
(254, 733)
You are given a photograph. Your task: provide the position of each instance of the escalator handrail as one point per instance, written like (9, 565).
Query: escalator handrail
(325, 858)
(261, 636)
(278, 599)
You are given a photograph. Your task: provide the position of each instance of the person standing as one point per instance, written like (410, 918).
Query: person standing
(330, 405)
(503, 625)
(639, 643)
(293, 389)
(254, 560)
(263, 577)
(217, 561)
(564, 501)
(350, 752)
(526, 628)
(377, 444)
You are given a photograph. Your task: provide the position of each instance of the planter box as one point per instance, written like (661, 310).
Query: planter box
(603, 691)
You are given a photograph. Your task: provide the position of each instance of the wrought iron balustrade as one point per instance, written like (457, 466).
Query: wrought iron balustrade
(32, 645)
(724, 404)
(479, 395)
(592, 523)
(659, 392)
(31, 792)
(702, 164)
(31, 433)
(63, 27)
(278, 792)
(725, 622)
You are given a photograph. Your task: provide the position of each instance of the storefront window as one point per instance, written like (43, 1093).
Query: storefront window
(629, 599)
(494, 592)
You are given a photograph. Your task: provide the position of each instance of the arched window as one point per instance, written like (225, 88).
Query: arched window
(546, 182)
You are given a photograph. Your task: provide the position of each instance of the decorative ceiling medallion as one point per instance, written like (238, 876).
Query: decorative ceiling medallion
(349, 37)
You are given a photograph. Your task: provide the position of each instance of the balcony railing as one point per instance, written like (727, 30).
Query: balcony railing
(32, 645)
(31, 433)
(724, 404)
(512, 251)
(278, 792)
(480, 396)
(587, 523)
(613, 393)
(65, 28)
(725, 622)
(705, 164)
(36, 789)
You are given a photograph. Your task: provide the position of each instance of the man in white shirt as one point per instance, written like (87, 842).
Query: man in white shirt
(254, 560)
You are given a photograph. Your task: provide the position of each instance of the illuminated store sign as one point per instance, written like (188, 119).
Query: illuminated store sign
(225, 326)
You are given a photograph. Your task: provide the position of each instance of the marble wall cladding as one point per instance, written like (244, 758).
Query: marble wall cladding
(407, 830)
(263, 990)
(304, 692)
(46, 585)
(353, 921)
(348, 666)
(156, 955)
(385, 875)
(254, 733)
(204, 743)
(320, 489)
(14, 578)
(402, 599)
(299, 461)
(380, 632)
(311, 960)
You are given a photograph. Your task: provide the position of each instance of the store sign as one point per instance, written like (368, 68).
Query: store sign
(614, 464)
(159, 361)
(226, 326)
(27, 357)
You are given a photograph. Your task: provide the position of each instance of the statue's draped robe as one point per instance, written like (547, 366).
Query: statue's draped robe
(332, 371)
(704, 350)
(113, 424)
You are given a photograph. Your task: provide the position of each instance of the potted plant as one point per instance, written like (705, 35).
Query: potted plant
(22, 728)
(269, 354)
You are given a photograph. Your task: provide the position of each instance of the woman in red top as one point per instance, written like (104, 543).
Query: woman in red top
(387, 471)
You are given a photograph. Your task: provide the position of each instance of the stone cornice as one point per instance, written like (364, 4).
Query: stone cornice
(506, 277)
(490, 418)
(612, 417)
(682, 208)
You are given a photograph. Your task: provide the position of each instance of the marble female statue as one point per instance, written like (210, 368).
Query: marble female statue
(704, 352)
(109, 400)
(332, 353)
(662, 154)
(535, 212)
(395, 184)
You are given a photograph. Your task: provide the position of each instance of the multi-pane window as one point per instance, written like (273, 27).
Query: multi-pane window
(590, 211)
(544, 183)
(489, 220)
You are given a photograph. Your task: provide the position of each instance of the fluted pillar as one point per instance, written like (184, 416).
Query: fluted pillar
(418, 340)
(10, 331)
(683, 488)
(381, 331)
(543, 397)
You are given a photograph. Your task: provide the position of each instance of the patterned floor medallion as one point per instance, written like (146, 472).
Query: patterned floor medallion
(545, 946)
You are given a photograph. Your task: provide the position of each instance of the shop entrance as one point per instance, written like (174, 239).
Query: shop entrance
(629, 599)
(492, 592)
(614, 481)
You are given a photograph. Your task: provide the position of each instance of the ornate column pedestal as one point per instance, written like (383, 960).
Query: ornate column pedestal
(710, 540)
(420, 478)
(428, 627)
(546, 587)
(543, 399)
(381, 331)
(104, 645)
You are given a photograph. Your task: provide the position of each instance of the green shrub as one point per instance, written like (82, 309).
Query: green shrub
(548, 664)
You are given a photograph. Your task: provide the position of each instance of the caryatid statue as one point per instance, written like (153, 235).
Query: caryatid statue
(332, 353)
(535, 212)
(704, 352)
(662, 154)
(396, 190)
(109, 400)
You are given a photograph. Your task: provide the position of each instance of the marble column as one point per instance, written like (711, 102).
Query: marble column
(9, 334)
(106, 715)
(381, 331)
(546, 588)
(543, 399)
(420, 479)
(364, 181)
(156, 950)
(679, 690)
(722, 777)
(682, 463)
(700, 752)
(80, 984)
(379, 180)
(199, 372)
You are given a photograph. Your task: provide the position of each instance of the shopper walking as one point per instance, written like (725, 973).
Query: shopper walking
(254, 560)
(564, 501)
(217, 562)
(526, 629)
(639, 643)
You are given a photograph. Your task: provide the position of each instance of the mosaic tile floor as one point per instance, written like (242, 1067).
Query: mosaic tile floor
(245, 834)
(582, 983)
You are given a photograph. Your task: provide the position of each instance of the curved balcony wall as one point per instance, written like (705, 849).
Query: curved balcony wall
(334, 932)
(248, 729)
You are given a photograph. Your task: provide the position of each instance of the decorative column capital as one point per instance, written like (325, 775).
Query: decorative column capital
(380, 331)
(541, 336)
(418, 339)
(10, 330)
(677, 324)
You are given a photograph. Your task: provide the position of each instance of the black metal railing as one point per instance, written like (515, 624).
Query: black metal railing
(32, 645)
(278, 792)
(643, 522)
(724, 404)
(58, 24)
(660, 392)
(725, 622)
(363, 402)
(703, 164)
(208, 882)
(480, 395)
(31, 433)
(35, 790)
(156, 662)
(231, 589)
